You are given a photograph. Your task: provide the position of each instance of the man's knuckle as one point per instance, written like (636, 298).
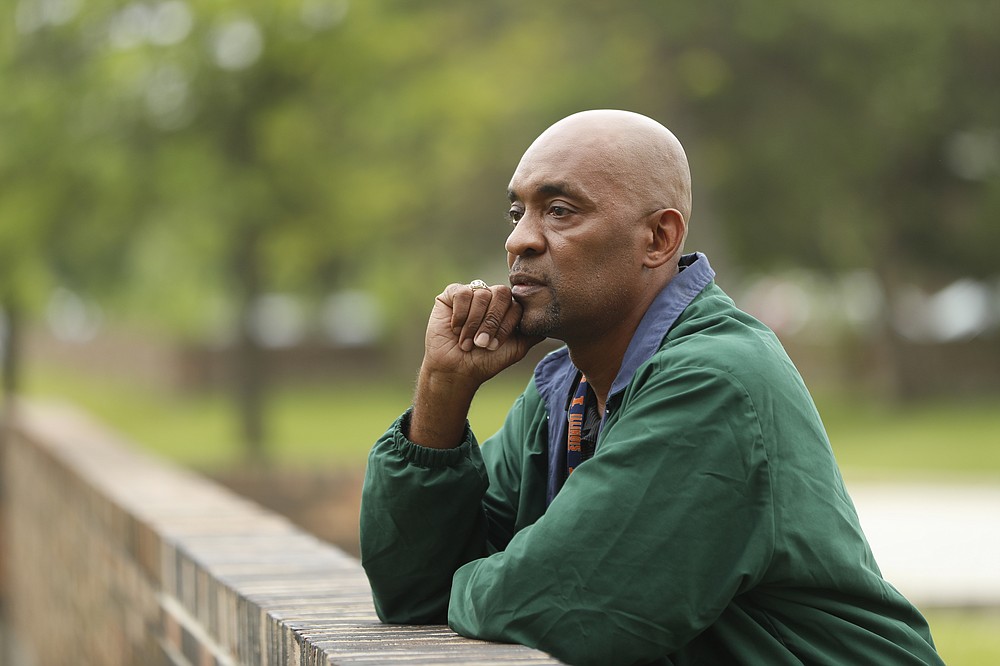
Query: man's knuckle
(505, 328)
(492, 320)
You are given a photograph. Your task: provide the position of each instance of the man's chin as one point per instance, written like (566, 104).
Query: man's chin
(537, 324)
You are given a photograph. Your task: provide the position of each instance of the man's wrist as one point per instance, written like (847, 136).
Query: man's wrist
(426, 456)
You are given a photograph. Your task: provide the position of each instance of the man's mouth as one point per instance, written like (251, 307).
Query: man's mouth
(523, 285)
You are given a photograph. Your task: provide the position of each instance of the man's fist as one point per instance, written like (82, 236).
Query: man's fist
(472, 333)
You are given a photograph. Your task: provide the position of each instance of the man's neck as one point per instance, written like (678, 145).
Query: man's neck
(600, 361)
(600, 358)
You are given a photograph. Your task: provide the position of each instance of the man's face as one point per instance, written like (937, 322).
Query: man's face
(575, 252)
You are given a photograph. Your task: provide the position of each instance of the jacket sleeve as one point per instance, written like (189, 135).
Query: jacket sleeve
(425, 512)
(421, 519)
(647, 542)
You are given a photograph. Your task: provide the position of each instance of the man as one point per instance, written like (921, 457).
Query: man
(663, 491)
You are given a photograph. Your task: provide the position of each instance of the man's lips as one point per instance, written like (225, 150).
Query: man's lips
(522, 285)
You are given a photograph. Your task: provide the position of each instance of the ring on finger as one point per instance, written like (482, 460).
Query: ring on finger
(478, 284)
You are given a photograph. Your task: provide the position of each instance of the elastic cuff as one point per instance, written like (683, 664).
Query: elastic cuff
(425, 456)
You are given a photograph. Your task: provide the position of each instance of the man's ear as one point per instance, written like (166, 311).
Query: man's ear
(667, 230)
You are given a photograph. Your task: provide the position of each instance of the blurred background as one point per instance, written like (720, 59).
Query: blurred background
(222, 224)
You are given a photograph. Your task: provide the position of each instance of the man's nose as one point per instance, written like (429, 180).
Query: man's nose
(526, 237)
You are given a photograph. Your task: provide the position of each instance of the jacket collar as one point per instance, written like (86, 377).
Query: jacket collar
(695, 274)
(556, 371)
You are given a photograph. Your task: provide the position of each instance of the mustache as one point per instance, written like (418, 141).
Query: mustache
(518, 273)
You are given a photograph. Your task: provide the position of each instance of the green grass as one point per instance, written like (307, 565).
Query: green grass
(333, 425)
(307, 426)
(325, 426)
(966, 637)
(941, 437)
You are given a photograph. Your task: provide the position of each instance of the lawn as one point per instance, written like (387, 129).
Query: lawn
(966, 637)
(312, 425)
(335, 426)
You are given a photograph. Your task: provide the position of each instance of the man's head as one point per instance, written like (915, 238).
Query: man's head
(600, 203)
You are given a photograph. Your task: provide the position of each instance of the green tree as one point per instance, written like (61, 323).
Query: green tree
(847, 135)
(56, 224)
(190, 154)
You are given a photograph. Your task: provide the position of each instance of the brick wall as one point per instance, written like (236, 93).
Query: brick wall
(113, 557)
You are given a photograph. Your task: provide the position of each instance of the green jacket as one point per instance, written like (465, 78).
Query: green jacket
(712, 525)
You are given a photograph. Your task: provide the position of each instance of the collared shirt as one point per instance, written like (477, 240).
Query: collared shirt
(590, 427)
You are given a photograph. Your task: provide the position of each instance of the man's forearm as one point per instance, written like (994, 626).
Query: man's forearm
(440, 410)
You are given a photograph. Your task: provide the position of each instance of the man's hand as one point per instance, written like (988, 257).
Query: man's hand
(472, 333)
(471, 337)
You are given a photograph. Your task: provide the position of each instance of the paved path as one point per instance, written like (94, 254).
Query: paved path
(938, 544)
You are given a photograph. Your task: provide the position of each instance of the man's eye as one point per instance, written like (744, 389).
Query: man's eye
(559, 211)
(515, 214)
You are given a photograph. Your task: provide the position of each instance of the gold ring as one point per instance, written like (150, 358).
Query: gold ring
(478, 284)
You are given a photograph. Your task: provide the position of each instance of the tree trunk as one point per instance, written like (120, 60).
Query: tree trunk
(250, 373)
(11, 348)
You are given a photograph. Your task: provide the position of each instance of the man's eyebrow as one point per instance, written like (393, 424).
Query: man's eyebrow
(550, 189)
(555, 189)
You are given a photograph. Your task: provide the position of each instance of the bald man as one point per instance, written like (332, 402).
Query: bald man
(663, 491)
